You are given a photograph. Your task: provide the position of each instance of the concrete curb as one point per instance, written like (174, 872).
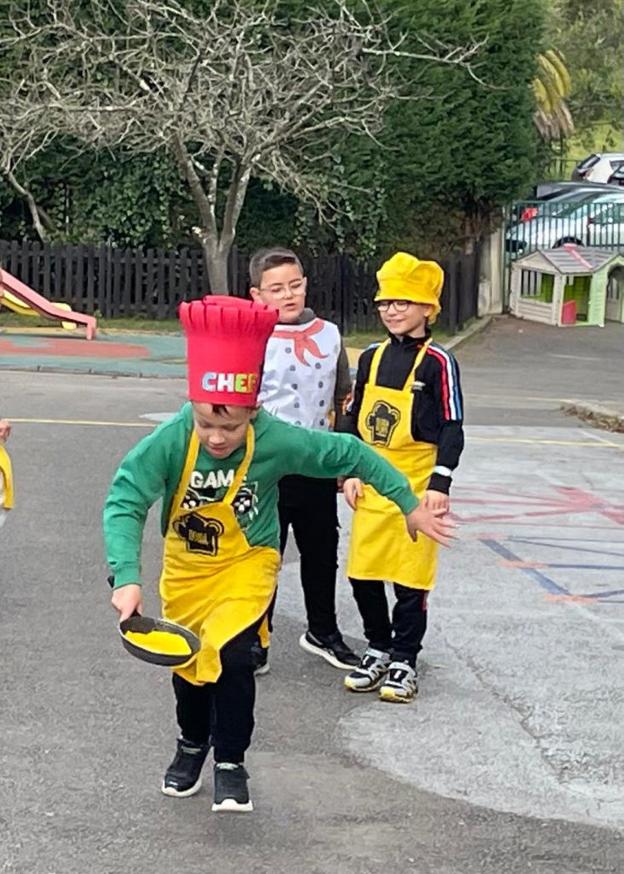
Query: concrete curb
(353, 353)
(91, 371)
(472, 330)
(596, 414)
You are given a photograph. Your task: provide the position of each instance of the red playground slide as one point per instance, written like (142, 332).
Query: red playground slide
(23, 300)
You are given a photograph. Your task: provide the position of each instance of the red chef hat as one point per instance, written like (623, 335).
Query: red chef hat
(226, 339)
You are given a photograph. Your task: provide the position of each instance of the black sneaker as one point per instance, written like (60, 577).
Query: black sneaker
(260, 656)
(369, 674)
(231, 794)
(331, 648)
(183, 776)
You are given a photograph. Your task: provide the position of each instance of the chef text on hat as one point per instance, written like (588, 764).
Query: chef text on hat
(226, 340)
(240, 383)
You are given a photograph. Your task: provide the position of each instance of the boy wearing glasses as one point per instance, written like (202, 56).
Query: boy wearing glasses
(305, 382)
(407, 404)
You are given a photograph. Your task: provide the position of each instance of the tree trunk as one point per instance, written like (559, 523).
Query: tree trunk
(38, 215)
(216, 261)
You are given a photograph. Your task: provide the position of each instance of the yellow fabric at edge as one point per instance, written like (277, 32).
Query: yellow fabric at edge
(6, 472)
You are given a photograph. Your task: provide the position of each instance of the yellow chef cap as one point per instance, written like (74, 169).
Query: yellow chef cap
(404, 277)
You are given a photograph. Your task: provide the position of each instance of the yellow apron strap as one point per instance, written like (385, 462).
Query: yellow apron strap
(189, 465)
(379, 351)
(419, 359)
(241, 473)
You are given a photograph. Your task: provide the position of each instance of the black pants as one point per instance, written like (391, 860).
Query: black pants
(309, 507)
(401, 637)
(223, 712)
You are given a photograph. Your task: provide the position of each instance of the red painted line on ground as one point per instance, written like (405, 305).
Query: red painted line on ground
(73, 348)
(575, 599)
(517, 523)
(568, 501)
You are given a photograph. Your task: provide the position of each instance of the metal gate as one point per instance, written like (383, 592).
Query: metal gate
(538, 224)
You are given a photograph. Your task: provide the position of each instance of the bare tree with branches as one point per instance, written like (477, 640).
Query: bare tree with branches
(23, 135)
(233, 93)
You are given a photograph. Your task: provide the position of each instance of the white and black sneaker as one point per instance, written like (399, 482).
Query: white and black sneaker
(331, 648)
(370, 672)
(231, 794)
(260, 656)
(183, 776)
(401, 683)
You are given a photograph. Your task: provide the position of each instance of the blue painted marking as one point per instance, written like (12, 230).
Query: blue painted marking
(545, 582)
(601, 595)
(573, 546)
(587, 567)
(535, 538)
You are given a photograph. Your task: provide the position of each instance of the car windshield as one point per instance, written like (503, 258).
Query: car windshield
(597, 203)
(570, 204)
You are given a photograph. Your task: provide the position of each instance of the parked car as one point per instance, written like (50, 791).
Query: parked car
(550, 189)
(618, 178)
(547, 193)
(591, 221)
(598, 167)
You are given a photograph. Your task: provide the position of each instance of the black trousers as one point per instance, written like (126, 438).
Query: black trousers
(222, 713)
(309, 506)
(401, 637)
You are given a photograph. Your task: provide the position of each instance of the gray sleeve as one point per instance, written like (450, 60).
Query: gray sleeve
(343, 387)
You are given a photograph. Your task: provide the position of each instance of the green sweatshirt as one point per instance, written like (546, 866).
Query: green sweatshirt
(152, 471)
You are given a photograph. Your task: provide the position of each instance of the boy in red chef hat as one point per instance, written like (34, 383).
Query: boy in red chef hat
(216, 466)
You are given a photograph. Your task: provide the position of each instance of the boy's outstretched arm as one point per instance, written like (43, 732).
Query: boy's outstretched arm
(321, 454)
(432, 522)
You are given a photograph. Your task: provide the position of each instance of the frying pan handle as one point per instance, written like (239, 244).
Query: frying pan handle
(111, 582)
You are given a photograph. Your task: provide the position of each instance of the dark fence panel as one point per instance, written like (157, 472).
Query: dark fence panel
(152, 282)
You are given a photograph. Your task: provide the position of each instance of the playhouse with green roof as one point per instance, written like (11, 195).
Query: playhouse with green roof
(571, 285)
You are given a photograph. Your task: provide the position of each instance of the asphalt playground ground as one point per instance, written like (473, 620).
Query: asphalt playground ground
(512, 757)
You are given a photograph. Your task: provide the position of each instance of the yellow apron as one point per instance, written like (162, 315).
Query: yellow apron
(213, 581)
(380, 547)
(6, 473)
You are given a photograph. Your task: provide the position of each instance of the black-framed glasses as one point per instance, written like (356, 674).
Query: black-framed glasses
(401, 306)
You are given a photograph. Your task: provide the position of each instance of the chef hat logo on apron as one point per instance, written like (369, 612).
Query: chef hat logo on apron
(382, 422)
(226, 339)
(200, 534)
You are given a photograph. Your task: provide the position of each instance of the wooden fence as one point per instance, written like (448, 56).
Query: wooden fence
(151, 282)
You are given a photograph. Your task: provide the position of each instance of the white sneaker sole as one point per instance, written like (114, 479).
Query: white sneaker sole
(260, 672)
(372, 688)
(186, 793)
(395, 697)
(229, 805)
(305, 644)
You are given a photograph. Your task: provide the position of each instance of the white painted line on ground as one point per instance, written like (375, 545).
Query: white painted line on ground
(89, 422)
(157, 417)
